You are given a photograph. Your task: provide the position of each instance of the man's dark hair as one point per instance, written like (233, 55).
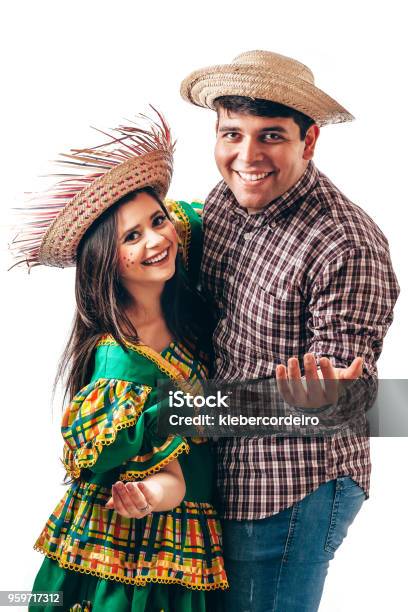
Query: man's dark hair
(263, 108)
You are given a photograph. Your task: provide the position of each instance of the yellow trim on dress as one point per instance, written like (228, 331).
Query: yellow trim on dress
(176, 211)
(130, 475)
(137, 580)
(159, 361)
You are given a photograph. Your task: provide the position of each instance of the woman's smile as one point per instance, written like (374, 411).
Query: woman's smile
(157, 260)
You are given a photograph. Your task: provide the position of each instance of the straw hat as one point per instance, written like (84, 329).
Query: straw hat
(55, 221)
(268, 76)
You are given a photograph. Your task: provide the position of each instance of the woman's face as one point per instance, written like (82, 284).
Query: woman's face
(147, 243)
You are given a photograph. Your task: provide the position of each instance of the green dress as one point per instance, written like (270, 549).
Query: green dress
(168, 561)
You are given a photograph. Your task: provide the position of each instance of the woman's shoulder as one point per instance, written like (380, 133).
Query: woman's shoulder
(185, 211)
(187, 220)
(122, 362)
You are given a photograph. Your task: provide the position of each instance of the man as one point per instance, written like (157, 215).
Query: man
(294, 269)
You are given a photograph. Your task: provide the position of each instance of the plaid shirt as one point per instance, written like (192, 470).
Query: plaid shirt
(311, 272)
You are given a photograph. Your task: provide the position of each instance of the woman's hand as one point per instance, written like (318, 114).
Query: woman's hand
(135, 499)
(315, 389)
(157, 493)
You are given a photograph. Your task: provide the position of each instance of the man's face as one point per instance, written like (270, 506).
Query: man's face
(260, 158)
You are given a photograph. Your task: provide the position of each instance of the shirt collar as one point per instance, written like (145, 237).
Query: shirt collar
(279, 207)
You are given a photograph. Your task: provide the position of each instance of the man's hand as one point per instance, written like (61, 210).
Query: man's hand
(315, 389)
(135, 499)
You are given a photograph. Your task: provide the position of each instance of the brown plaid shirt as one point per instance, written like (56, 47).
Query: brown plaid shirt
(309, 273)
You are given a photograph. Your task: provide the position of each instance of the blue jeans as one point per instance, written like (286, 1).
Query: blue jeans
(279, 564)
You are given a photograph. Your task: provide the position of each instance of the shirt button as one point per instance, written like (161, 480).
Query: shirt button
(231, 279)
(247, 235)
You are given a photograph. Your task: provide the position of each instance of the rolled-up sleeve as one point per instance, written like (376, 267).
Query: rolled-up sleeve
(350, 313)
(352, 307)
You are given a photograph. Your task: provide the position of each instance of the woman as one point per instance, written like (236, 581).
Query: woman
(136, 530)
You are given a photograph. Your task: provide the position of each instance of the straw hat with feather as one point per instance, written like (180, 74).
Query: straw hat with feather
(54, 221)
(267, 76)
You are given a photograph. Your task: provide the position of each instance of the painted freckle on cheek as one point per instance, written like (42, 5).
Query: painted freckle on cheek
(125, 261)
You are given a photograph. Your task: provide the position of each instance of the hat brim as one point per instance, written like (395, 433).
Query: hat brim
(203, 86)
(60, 243)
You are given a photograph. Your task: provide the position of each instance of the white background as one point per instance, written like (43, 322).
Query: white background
(68, 65)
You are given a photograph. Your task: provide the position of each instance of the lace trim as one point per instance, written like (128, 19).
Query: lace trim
(137, 580)
(130, 475)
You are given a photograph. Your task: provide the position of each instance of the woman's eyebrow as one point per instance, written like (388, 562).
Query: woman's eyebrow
(137, 226)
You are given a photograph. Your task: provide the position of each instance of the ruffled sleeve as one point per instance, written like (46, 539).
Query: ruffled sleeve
(110, 424)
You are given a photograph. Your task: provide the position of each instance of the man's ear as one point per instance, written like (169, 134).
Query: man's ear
(311, 137)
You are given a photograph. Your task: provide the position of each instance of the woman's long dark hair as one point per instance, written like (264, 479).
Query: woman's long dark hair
(101, 302)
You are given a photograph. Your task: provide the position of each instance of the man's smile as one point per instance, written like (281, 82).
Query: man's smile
(253, 177)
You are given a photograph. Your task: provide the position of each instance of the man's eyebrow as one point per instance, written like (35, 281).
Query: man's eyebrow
(229, 128)
(274, 128)
(137, 226)
(271, 128)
